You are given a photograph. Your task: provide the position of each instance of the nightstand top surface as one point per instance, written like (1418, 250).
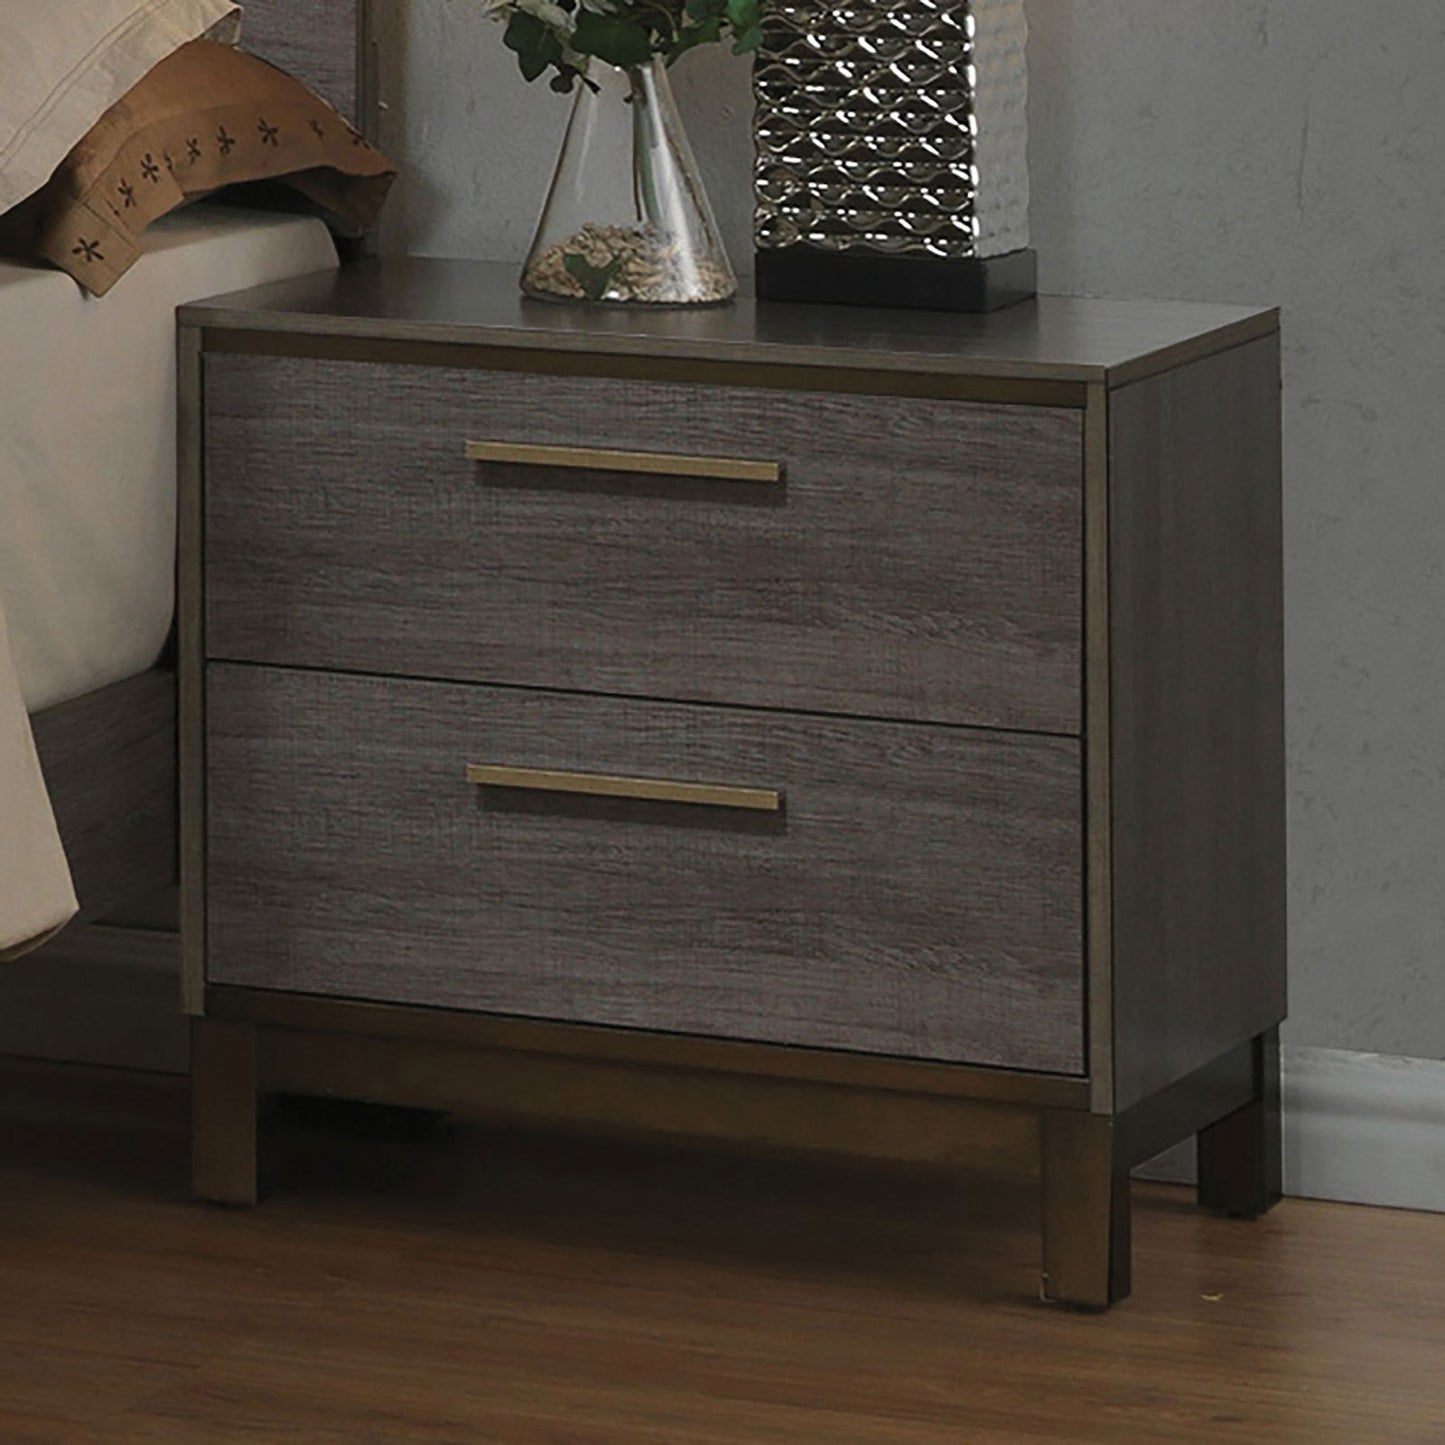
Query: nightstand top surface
(477, 303)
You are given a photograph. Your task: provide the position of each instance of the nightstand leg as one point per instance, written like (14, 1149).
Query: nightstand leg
(1240, 1157)
(223, 1111)
(1086, 1222)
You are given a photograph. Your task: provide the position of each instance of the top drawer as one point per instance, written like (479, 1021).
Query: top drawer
(914, 559)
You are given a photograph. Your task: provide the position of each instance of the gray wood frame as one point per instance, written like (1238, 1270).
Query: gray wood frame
(109, 763)
(107, 994)
(1180, 413)
(325, 43)
(99, 994)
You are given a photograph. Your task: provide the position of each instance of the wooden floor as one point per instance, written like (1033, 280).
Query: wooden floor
(417, 1280)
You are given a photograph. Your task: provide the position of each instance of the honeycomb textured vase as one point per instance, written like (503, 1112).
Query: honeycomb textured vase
(893, 126)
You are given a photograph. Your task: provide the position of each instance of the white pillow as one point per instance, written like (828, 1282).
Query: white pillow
(64, 63)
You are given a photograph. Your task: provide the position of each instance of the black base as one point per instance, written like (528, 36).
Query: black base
(931, 283)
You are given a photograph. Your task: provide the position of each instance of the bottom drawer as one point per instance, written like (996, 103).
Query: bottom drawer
(915, 891)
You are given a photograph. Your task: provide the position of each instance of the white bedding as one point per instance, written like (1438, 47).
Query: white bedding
(87, 495)
(88, 437)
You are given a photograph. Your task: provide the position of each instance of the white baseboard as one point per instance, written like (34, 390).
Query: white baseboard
(1361, 1128)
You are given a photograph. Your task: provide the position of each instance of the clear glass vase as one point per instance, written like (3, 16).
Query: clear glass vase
(626, 221)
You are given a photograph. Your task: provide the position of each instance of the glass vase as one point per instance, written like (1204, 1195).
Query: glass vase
(626, 221)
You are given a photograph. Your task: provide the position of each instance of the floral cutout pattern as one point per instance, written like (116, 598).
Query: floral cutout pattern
(127, 195)
(225, 141)
(150, 170)
(193, 148)
(269, 133)
(89, 250)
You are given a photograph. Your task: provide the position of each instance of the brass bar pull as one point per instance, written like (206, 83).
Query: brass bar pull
(597, 459)
(605, 785)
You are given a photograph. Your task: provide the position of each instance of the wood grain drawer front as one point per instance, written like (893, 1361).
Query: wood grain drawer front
(914, 559)
(917, 890)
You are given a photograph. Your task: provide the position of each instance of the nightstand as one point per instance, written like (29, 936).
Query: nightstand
(827, 728)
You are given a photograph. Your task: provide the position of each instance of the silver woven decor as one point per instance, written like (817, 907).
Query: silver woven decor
(892, 142)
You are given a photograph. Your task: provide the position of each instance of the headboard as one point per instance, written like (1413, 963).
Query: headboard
(326, 43)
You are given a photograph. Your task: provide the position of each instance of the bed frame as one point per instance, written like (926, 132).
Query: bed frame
(107, 990)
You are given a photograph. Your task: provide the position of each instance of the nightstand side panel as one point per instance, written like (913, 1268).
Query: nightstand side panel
(1197, 704)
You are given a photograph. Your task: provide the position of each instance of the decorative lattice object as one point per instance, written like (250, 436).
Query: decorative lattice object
(893, 127)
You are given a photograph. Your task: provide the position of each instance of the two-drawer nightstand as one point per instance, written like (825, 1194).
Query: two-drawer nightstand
(825, 728)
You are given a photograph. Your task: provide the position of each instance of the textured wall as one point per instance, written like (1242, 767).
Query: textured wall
(1286, 151)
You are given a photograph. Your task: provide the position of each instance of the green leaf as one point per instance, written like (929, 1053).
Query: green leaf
(746, 40)
(536, 45)
(618, 42)
(743, 16)
(594, 280)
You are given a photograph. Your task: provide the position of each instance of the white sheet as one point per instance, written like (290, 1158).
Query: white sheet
(87, 442)
(87, 494)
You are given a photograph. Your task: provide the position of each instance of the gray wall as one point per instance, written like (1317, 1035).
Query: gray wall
(1283, 151)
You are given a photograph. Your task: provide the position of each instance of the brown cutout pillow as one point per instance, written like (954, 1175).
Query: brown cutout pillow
(206, 117)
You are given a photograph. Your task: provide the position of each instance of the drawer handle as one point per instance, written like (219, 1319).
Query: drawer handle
(596, 459)
(604, 785)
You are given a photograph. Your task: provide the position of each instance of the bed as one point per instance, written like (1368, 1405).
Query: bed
(87, 562)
